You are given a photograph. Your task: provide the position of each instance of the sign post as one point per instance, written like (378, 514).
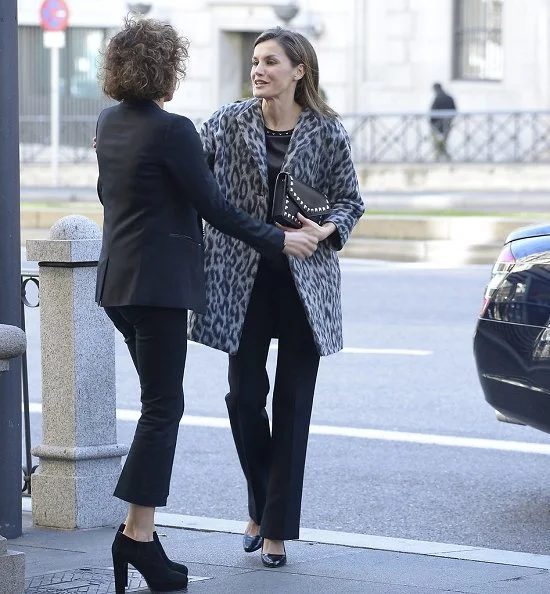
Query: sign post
(54, 19)
(10, 273)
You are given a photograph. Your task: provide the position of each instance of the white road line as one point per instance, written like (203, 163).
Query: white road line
(360, 351)
(377, 266)
(131, 415)
(356, 540)
(409, 352)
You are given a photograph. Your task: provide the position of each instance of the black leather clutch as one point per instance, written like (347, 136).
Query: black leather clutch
(292, 196)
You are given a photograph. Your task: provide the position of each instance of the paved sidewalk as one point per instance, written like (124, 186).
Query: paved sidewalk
(79, 561)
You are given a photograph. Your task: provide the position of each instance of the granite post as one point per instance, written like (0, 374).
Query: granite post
(12, 564)
(80, 458)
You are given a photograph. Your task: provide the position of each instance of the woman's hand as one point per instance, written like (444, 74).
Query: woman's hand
(321, 231)
(311, 229)
(94, 143)
(301, 242)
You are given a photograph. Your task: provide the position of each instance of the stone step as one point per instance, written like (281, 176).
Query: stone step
(434, 251)
(44, 218)
(468, 240)
(470, 229)
(473, 229)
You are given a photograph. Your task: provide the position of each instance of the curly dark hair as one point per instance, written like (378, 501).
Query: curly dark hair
(145, 60)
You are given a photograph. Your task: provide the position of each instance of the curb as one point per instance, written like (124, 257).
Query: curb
(360, 541)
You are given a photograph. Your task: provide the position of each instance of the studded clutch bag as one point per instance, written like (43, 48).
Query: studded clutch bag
(292, 196)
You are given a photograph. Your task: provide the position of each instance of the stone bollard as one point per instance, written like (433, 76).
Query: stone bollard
(12, 564)
(80, 458)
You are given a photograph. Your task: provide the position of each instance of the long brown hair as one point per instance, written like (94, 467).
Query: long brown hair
(300, 51)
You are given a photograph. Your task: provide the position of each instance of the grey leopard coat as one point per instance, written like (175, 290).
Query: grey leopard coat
(318, 154)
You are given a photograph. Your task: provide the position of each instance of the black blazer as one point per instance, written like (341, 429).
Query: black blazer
(155, 187)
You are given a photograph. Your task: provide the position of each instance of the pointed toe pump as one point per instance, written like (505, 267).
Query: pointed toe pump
(270, 560)
(148, 560)
(251, 543)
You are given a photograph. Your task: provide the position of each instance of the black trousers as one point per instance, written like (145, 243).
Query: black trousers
(157, 341)
(273, 462)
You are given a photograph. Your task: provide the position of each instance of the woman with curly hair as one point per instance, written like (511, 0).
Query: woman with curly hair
(156, 188)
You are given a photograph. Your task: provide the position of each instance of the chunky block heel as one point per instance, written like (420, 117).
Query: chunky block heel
(121, 575)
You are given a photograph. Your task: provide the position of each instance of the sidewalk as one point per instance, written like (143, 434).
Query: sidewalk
(79, 561)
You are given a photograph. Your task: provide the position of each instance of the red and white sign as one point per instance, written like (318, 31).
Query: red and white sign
(54, 15)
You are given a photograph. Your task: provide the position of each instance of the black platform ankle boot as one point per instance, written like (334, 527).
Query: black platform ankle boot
(172, 564)
(148, 560)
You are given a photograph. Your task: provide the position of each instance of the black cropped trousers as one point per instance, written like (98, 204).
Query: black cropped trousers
(273, 461)
(157, 341)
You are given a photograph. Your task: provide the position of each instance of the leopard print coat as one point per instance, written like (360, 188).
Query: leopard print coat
(318, 154)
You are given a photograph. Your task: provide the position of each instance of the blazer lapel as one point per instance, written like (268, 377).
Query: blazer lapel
(251, 125)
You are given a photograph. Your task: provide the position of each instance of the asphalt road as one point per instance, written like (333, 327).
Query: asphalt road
(389, 483)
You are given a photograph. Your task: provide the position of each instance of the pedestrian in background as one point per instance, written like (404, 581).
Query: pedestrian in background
(441, 125)
(155, 187)
(253, 298)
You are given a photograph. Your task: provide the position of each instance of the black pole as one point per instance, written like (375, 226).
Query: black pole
(10, 273)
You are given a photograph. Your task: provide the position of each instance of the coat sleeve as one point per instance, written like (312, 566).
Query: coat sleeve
(207, 135)
(343, 194)
(185, 161)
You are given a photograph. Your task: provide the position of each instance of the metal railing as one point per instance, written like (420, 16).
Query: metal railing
(75, 136)
(475, 137)
(28, 277)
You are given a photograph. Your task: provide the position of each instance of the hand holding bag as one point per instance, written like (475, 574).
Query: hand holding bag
(292, 196)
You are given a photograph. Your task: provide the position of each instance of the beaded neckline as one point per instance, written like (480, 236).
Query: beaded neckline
(278, 132)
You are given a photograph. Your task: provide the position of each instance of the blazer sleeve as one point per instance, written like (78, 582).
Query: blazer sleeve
(343, 194)
(99, 190)
(185, 160)
(98, 186)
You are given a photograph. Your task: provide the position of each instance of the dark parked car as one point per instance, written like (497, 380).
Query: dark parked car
(512, 338)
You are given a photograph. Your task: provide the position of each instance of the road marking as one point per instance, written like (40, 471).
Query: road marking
(522, 447)
(361, 351)
(357, 350)
(370, 266)
(362, 541)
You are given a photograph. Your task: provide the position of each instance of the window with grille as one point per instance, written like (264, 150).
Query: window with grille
(478, 53)
(79, 88)
(80, 95)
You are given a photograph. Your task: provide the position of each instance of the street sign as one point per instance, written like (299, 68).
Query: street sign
(54, 15)
(54, 18)
(54, 39)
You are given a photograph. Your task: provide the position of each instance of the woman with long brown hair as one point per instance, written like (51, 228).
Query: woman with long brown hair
(286, 127)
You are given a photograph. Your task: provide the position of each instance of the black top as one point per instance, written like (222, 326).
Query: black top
(156, 187)
(276, 145)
